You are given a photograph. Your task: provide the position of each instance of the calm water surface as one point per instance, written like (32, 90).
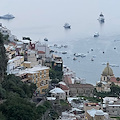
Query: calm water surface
(45, 18)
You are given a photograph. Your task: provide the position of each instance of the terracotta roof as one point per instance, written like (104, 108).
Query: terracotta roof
(12, 43)
(81, 86)
(113, 79)
(64, 87)
(67, 79)
(41, 52)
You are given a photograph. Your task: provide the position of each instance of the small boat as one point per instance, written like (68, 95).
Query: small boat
(77, 55)
(65, 46)
(55, 45)
(101, 18)
(7, 16)
(65, 52)
(74, 58)
(45, 39)
(51, 51)
(66, 25)
(96, 34)
(82, 55)
(92, 59)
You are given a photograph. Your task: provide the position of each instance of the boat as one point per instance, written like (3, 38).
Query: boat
(96, 34)
(45, 39)
(65, 46)
(74, 58)
(66, 25)
(92, 59)
(101, 18)
(77, 55)
(64, 52)
(82, 55)
(7, 16)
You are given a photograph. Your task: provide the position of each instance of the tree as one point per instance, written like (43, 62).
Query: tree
(56, 76)
(16, 108)
(115, 90)
(3, 59)
(2, 117)
(2, 92)
(118, 79)
(14, 84)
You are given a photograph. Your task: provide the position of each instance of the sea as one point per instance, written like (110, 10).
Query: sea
(39, 19)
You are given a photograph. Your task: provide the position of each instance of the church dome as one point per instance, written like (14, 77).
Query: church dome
(107, 71)
(99, 112)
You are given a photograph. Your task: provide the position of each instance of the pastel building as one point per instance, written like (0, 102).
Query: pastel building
(14, 63)
(104, 84)
(39, 75)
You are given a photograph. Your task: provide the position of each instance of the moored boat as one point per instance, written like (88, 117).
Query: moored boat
(7, 16)
(66, 25)
(101, 18)
(45, 39)
(96, 34)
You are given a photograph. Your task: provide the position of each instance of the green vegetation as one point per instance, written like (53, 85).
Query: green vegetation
(17, 105)
(115, 92)
(15, 96)
(91, 99)
(56, 76)
(64, 105)
(3, 58)
(117, 118)
(14, 84)
(17, 108)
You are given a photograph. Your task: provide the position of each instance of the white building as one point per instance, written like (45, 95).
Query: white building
(6, 31)
(94, 114)
(58, 92)
(14, 63)
(42, 50)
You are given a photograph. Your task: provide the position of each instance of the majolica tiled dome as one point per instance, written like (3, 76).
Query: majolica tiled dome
(107, 71)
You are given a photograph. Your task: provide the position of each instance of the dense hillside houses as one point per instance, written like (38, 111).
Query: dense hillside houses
(34, 63)
(77, 86)
(112, 106)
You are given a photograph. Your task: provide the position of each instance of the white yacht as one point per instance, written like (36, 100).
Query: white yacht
(96, 34)
(7, 16)
(101, 18)
(66, 25)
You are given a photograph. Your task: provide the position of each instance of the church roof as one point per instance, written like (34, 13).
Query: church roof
(107, 71)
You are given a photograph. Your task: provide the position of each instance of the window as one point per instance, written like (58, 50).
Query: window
(33, 76)
(36, 76)
(42, 83)
(40, 72)
(44, 71)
